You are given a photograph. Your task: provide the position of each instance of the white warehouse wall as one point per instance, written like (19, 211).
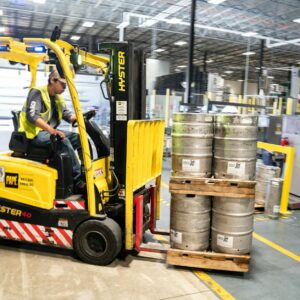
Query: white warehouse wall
(236, 87)
(155, 68)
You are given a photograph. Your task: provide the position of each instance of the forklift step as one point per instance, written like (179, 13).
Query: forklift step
(72, 202)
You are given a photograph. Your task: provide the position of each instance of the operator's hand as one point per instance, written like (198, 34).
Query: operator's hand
(72, 119)
(59, 133)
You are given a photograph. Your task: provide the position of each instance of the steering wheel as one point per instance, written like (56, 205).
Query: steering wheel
(87, 116)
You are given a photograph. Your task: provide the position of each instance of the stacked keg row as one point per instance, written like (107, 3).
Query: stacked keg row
(234, 158)
(192, 140)
(234, 139)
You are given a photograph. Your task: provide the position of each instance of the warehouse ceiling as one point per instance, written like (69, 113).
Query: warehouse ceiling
(159, 24)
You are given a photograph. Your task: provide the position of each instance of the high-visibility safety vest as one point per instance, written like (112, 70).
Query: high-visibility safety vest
(30, 129)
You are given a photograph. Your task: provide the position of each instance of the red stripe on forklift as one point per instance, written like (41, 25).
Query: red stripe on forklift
(16, 231)
(33, 238)
(66, 236)
(6, 232)
(41, 234)
(71, 205)
(57, 240)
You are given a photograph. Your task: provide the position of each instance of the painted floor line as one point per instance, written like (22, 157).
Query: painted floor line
(213, 285)
(276, 247)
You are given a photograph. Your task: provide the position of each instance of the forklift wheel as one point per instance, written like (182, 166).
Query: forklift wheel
(98, 242)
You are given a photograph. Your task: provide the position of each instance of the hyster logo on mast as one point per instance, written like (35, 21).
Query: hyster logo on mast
(121, 71)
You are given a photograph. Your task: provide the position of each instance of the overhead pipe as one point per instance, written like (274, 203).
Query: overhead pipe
(160, 18)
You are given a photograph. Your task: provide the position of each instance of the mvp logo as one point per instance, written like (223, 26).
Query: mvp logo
(12, 180)
(121, 71)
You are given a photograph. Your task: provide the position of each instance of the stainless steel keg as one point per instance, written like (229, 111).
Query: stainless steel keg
(192, 137)
(232, 225)
(190, 222)
(235, 146)
(273, 198)
(263, 175)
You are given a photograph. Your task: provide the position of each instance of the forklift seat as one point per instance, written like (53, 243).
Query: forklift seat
(21, 146)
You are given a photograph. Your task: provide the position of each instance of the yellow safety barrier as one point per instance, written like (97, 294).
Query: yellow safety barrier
(280, 107)
(274, 108)
(144, 163)
(240, 102)
(289, 106)
(289, 152)
(253, 103)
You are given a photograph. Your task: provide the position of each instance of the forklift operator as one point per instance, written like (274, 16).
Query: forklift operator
(41, 115)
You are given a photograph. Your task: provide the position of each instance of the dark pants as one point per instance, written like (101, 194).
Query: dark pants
(69, 145)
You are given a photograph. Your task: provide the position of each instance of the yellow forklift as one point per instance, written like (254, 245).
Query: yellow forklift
(123, 175)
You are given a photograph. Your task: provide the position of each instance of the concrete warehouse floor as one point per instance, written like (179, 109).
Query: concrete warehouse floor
(32, 272)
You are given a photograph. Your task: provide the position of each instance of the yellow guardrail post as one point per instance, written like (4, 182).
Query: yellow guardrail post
(280, 106)
(289, 106)
(289, 151)
(253, 103)
(240, 102)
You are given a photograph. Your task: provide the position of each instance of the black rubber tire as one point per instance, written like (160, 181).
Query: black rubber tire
(98, 242)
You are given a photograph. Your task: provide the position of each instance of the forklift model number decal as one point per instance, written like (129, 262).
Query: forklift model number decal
(98, 172)
(25, 182)
(2, 173)
(12, 180)
(121, 71)
(14, 212)
(121, 110)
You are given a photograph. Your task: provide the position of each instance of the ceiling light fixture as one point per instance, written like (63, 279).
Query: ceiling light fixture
(173, 21)
(1, 12)
(297, 20)
(271, 77)
(39, 1)
(2, 29)
(248, 53)
(240, 80)
(160, 50)
(250, 33)
(228, 72)
(75, 37)
(215, 1)
(88, 24)
(181, 66)
(180, 43)
(209, 61)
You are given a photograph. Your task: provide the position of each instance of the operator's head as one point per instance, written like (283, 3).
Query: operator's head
(56, 82)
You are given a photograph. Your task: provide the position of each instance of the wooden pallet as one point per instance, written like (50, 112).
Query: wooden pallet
(208, 260)
(213, 187)
(294, 202)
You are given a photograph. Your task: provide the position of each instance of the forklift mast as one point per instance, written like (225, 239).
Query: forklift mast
(127, 97)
